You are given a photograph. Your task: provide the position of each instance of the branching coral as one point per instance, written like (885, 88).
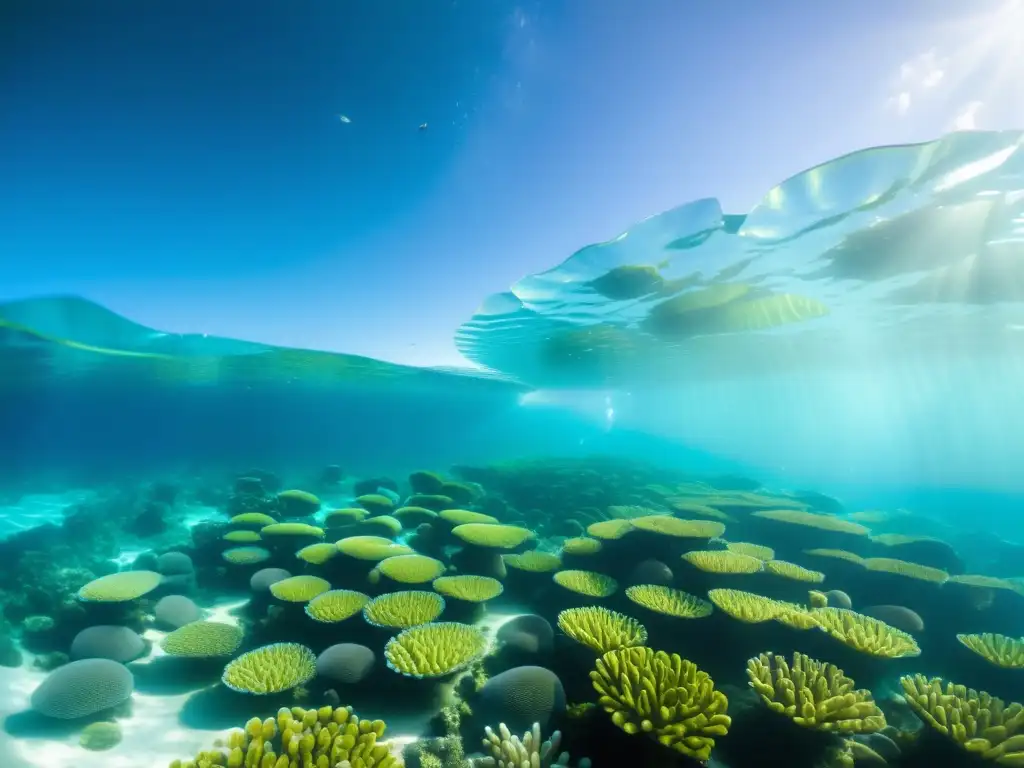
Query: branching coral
(866, 634)
(600, 629)
(979, 723)
(509, 751)
(318, 738)
(663, 695)
(813, 694)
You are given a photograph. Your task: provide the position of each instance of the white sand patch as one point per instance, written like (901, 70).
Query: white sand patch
(37, 509)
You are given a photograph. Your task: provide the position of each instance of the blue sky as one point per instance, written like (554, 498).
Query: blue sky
(184, 163)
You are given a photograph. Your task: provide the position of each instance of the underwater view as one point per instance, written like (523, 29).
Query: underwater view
(506, 384)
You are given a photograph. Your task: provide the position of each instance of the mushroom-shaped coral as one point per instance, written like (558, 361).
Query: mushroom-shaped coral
(336, 605)
(375, 503)
(245, 555)
(793, 571)
(296, 503)
(435, 650)
(533, 561)
(285, 530)
(120, 587)
(903, 568)
(759, 551)
(609, 530)
(317, 554)
(581, 545)
(469, 588)
(410, 517)
(745, 606)
(242, 536)
(411, 569)
(600, 629)
(339, 518)
(492, 536)
(866, 634)
(668, 601)
(381, 525)
(979, 723)
(663, 695)
(299, 589)
(1003, 651)
(401, 610)
(270, 669)
(203, 640)
(258, 519)
(371, 548)
(329, 736)
(812, 520)
(457, 517)
(666, 525)
(813, 694)
(586, 583)
(723, 561)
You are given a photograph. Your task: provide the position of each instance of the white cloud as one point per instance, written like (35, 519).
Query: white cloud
(967, 120)
(916, 77)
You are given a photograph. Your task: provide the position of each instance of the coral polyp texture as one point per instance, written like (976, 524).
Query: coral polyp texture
(457, 517)
(469, 588)
(491, 535)
(400, 610)
(793, 571)
(245, 555)
(758, 551)
(299, 589)
(533, 561)
(270, 669)
(203, 639)
(317, 554)
(667, 525)
(435, 650)
(586, 583)
(600, 629)
(668, 601)
(813, 694)
(812, 520)
(723, 561)
(411, 569)
(1000, 650)
(371, 548)
(327, 737)
(903, 568)
(336, 605)
(120, 587)
(979, 723)
(291, 529)
(581, 545)
(662, 695)
(866, 634)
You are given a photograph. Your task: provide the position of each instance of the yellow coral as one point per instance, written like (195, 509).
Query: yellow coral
(242, 537)
(723, 561)
(903, 568)
(456, 517)
(317, 554)
(313, 738)
(817, 599)
(299, 589)
(663, 695)
(671, 602)
(271, 669)
(581, 545)
(291, 529)
(375, 503)
(120, 587)
(793, 571)
(687, 507)
(1003, 651)
(813, 694)
(338, 518)
(754, 609)
(383, 524)
(610, 530)
(601, 630)
(533, 561)
(586, 583)
(812, 520)
(472, 589)
(410, 517)
(979, 723)
(435, 650)
(667, 525)
(401, 610)
(253, 518)
(866, 634)
(336, 605)
(245, 555)
(985, 582)
(411, 569)
(835, 554)
(372, 548)
(492, 535)
(202, 640)
(759, 551)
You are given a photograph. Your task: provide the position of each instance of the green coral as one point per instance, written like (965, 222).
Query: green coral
(435, 650)
(203, 640)
(401, 610)
(600, 629)
(120, 587)
(271, 669)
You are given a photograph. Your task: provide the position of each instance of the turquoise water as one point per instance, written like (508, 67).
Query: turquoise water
(837, 369)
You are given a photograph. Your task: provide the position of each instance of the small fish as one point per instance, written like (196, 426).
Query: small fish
(344, 118)
(423, 126)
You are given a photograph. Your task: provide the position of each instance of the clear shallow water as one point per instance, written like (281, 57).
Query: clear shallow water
(850, 345)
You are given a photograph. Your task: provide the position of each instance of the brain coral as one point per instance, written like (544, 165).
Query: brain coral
(203, 640)
(435, 650)
(120, 587)
(83, 688)
(270, 669)
(522, 696)
(176, 611)
(347, 663)
(108, 642)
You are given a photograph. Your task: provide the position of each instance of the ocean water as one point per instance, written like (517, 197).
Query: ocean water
(684, 456)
